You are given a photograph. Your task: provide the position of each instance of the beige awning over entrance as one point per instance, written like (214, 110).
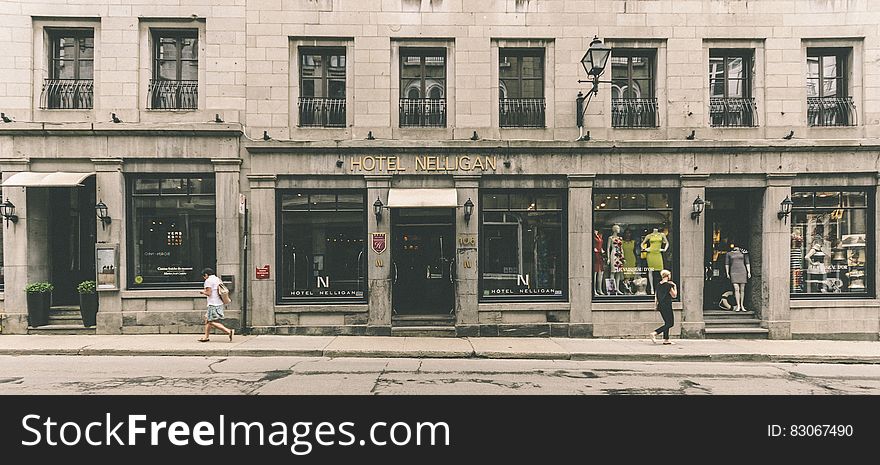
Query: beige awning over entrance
(422, 198)
(56, 179)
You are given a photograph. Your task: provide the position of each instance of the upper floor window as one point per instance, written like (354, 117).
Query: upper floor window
(521, 87)
(71, 70)
(633, 103)
(175, 82)
(829, 102)
(423, 87)
(322, 87)
(731, 103)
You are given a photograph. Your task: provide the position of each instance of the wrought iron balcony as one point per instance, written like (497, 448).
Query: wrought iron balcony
(173, 95)
(67, 94)
(321, 112)
(521, 112)
(831, 111)
(733, 112)
(634, 113)
(422, 112)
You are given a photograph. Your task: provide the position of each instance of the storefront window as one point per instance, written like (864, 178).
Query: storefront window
(633, 239)
(523, 245)
(173, 230)
(830, 236)
(322, 247)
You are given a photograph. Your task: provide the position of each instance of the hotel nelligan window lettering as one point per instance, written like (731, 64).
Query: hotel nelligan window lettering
(322, 250)
(523, 247)
(633, 241)
(831, 237)
(174, 230)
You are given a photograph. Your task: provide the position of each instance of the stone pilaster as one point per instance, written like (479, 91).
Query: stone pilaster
(775, 248)
(691, 252)
(467, 277)
(110, 189)
(15, 252)
(380, 266)
(229, 250)
(261, 292)
(580, 243)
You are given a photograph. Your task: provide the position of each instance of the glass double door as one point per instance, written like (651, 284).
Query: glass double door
(423, 281)
(72, 230)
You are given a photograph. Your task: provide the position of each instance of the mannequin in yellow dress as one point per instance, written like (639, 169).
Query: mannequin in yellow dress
(654, 244)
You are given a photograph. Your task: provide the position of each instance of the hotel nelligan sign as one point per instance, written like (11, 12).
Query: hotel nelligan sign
(421, 163)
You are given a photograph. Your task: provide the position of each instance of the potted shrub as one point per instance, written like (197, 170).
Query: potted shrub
(38, 300)
(88, 302)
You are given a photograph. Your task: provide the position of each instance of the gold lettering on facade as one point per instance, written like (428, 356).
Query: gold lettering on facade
(422, 163)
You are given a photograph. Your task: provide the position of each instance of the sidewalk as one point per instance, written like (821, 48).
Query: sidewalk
(704, 350)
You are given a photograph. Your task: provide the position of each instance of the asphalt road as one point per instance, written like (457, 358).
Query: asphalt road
(314, 375)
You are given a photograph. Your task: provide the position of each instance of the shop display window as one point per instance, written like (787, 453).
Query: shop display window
(173, 224)
(322, 246)
(831, 237)
(633, 240)
(523, 245)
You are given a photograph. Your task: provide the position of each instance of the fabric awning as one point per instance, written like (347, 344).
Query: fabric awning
(422, 198)
(56, 179)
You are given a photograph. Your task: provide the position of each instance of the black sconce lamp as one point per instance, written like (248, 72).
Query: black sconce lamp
(101, 211)
(594, 62)
(468, 210)
(8, 211)
(377, 209)
(784, 208)
(699, 204)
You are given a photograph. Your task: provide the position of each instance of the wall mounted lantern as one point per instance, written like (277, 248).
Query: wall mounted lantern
(594, 62)
(784, 208)
(8, 210)
(377, 209)
(468, 210)
(698, 206)
(101, 211)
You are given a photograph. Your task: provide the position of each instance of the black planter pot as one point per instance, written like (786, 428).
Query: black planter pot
(88, 308)
(38, 308)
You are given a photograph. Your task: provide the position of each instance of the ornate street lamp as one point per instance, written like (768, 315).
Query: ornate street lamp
(8, 210)
(594, 62)
(698, 206)
(377, 209)
(784, 208)
(468, 210)
(101, 211)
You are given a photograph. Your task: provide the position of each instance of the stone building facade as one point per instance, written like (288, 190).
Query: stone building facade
(416, 166)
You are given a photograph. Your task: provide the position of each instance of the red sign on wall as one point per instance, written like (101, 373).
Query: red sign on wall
(379, 242)
(262, 272)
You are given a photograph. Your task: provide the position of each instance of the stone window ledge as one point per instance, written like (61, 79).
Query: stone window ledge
(835, 303)
(322, 308)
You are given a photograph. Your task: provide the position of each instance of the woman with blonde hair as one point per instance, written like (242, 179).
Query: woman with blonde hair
(666, 291)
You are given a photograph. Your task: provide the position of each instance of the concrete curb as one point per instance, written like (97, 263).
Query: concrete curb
(450, 354)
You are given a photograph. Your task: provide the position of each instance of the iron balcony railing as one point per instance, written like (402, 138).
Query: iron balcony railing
(322, 112)
(634, 113)
(831, 111)
(173, 95)
(422, 112)
(521, 112)
(733, 112)
(67, 94)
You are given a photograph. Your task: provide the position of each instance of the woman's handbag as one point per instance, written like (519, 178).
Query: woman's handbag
(224, 293)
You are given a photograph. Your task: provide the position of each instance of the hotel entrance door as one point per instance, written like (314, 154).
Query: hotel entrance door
(424, 261)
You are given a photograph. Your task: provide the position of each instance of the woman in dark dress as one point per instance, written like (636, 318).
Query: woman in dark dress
(666, 291)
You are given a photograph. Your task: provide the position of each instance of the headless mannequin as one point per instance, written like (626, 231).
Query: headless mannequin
(646, 246)
(599, 264)
(615, 256)
(739, 289)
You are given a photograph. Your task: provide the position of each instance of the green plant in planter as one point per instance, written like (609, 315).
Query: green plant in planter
(88, 302)
(39, 288)
(38, 301)
(86, 287)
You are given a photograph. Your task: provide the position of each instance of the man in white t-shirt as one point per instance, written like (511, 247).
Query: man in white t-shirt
(215, 305)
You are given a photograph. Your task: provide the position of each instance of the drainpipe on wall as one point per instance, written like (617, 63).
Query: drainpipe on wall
(244, 275)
